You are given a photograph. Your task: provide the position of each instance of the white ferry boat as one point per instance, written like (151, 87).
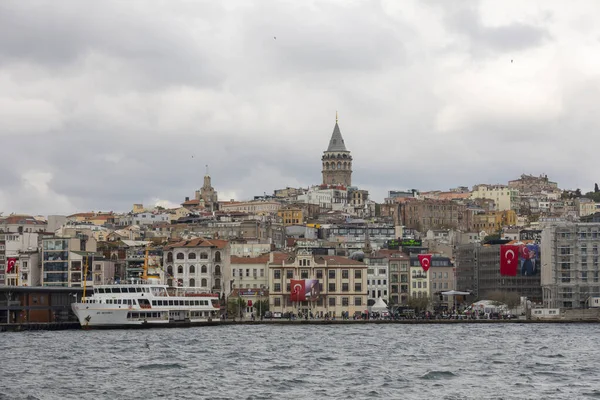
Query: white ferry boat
(141, 303)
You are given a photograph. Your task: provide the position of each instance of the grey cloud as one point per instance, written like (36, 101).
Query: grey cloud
(465, 19)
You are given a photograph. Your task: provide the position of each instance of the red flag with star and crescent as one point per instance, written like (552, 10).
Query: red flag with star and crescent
(509, 259)
(298, 290)
(10, 264)
(425, 261)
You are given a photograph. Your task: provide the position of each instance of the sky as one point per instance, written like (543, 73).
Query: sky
(104, 104)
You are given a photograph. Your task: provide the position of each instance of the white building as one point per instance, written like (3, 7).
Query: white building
(197, 263)
(570, 272)
(23, 248)
(377, 279)
(143, 219)
(326, 198)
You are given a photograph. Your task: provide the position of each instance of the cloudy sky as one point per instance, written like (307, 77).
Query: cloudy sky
(108, 103)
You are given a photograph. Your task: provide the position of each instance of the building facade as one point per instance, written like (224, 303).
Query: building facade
(504, 197)
(341, 285)
(337, 161)
(197, 263)
(570, 264)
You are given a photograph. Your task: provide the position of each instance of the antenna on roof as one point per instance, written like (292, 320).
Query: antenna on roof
(206, 169)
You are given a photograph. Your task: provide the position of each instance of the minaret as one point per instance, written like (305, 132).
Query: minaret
(337, 160)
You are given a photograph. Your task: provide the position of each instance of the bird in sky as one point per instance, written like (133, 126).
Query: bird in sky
(275, 37)
(511, 61)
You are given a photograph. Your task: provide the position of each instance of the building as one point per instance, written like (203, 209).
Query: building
(504, 197)
(570, 264)
(197, 263)
(419, 280)
(64, 260)
(377, 278)
(494, 221)
(22, 223)
(253, 207)
(399, 277)
(23, 256)
(339, 285)
(441, 274)
(291, 215)
(478, 272)
(207, 194)
(337, 160)
(424, 215)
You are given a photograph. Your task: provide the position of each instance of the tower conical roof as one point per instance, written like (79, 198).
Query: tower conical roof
(336, 143)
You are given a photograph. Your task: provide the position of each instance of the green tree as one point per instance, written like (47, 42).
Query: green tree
(261, 307)
(419, 304)
(235, 305)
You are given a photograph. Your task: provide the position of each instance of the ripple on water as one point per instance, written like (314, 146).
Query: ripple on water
(432, 375)
(291, 362)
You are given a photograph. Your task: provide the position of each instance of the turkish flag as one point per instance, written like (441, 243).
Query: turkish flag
(10, 264)
(509, 259)
(524, 252)
(298, 290)
(425, 260)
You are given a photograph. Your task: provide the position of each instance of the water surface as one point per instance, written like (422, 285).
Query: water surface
(388, 361)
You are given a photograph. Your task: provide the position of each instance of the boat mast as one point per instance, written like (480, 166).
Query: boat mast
(145, 273)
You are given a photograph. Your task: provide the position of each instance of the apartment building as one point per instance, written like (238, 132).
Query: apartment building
(570, 264)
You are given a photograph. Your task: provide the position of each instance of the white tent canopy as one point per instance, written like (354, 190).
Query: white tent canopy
(379, 306)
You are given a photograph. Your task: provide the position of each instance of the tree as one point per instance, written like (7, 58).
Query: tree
(511, 299)
(261, 307)
(419, 304)
(235, 306)
(596, 190)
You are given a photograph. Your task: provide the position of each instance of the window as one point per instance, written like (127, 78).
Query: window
(332, 302)
(357, 274)
(357, 287)
(180, 269)
(332, 287)
(203, 256)
(289, 274)
(277, 287)
(414, 285)
(433, 275)
(180, 256)
(218, 256)
(277, 274)
(288, 287)
(332, 274)
(345, 302)
(319, 274)
(192, 282)
(345, 287)
(304, 274)
(358, 301)
(203, 269)
(277, 302)
(203, 283)
(192, 270)
(345, 274)
(192, 256)
(382, 271)
(248, 272)
(169, 257)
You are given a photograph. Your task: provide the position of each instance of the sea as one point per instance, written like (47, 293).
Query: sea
(271, 361)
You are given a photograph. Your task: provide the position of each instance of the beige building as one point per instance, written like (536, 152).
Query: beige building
(342, 285)
(419, 280)
(399, 278)
(252, 207)
(504, 197)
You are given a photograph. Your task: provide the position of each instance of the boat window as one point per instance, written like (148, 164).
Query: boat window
(131, 290)
(147, 290)
(186, 303)
(170, 302)
(115, 290)
(128, 315)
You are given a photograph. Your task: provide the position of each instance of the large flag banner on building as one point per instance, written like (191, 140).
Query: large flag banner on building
(530, 259)
(509, 259)
(312, 289)
(10, 264)
(298, 290)
(425, 261)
